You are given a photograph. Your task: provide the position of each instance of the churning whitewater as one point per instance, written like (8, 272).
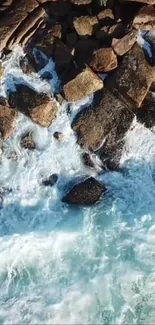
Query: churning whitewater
(65, 265)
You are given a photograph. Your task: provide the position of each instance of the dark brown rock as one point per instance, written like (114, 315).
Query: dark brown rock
(133, 77)
(145, 19)
(82, 86)
(87, 160)
(84, 50)
(62, 55)
(123, 45)
(94, 124)
(38, 106)
(106, 17)
(103, 60)
(51, 180)
(8, 118)
(109, 32)
(85, 25)
(27, 141)
(87, 192)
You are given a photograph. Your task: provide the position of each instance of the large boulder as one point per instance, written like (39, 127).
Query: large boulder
(145, 19)
(103, 60)
(8, 118)
(87, 192)
(82, 86)
(38, 106)
(94, 123)
(133, 77)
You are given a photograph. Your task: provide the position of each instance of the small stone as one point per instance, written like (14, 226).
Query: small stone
(58, 136)
(82, 86)
(123, 45)
(86, 193)
(71, 38)
(27, 141)
(103, 60)
(81, 2)
(51, 180)
(87, 160)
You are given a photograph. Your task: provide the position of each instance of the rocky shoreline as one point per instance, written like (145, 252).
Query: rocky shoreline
(93, 44)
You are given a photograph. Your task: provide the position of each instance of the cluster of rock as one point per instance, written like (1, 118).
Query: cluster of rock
(85, 39)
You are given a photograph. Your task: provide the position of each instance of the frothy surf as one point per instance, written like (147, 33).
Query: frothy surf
(61, 265)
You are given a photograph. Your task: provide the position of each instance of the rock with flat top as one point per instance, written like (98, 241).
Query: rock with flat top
(93, 124)
(133, 77)
(38, 106)
(103, 60)
(82, 86)
(122, 45)
(87, 192)
(145, 19)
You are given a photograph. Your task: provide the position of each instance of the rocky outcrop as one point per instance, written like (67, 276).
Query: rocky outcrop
(87, 192)
(38, 106)
(103, 60)
(133, 77)
(82, 86)
(19, 18)
(8, 118)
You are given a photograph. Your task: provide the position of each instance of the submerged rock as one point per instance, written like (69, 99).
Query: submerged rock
(27, 141)
(87, 192)
(38, 106)
(82, 86)
(51, 180)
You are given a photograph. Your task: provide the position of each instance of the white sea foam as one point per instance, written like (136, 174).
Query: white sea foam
(61, 265)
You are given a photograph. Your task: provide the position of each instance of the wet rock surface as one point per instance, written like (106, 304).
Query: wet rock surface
(38, 106)
(27, 141)
(8, 117)
(87, 192)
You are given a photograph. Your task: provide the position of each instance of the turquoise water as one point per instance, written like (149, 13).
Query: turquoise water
(61, 265)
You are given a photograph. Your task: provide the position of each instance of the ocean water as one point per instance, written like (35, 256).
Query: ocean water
(65, 265)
